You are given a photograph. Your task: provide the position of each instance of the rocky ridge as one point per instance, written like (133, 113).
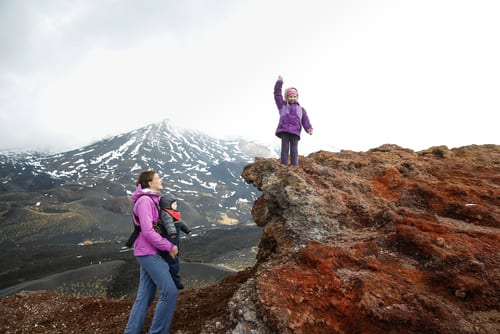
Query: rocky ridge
(384, 241)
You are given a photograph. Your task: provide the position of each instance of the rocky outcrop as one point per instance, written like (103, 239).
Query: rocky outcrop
(386, 241)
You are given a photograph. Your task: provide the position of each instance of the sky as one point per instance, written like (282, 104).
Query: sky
(369, 72)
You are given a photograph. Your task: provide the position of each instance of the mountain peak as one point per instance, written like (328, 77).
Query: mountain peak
(202, 171)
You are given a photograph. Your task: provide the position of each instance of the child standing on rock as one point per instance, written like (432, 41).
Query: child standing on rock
(292, 118)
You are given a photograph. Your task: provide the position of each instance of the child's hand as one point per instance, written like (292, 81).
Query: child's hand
(280, 78)
(310, 131)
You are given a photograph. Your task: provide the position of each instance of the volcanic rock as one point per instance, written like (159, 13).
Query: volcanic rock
(384, 241)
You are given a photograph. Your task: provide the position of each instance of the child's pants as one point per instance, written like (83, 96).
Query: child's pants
(174, 263)
(289, 143)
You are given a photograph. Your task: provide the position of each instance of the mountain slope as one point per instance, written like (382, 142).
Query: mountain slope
(89, 182)
(54, 204)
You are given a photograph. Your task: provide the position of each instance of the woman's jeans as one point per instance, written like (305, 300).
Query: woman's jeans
(289, 142)
(154, 274)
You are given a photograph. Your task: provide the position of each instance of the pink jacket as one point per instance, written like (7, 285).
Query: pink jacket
(146, 208)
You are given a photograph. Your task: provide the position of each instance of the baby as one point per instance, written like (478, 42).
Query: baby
(173, 225)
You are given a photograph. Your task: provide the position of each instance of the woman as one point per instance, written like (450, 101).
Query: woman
(154, 270)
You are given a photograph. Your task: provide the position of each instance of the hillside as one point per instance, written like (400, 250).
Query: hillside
(64, 211)
(384, 241)
(202, 171)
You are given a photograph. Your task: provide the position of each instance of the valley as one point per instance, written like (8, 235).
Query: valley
(64, 217)
(107, 269)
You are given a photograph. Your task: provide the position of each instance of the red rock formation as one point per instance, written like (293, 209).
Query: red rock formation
(384, 241)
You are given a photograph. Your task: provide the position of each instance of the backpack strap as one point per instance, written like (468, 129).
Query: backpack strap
(156, 204)
(137, 228)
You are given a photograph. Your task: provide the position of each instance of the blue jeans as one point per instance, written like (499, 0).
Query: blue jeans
(289, 142)
(154, 274)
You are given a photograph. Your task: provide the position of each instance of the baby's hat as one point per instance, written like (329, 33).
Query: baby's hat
(166, 201)
(291, 90)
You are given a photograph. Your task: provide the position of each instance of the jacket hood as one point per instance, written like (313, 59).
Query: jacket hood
(139, 192)
(166, 201)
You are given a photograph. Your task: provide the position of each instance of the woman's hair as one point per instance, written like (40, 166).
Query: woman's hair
(145, 178)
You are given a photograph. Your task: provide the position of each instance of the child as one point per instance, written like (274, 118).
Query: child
(173, 225)
(292, 118)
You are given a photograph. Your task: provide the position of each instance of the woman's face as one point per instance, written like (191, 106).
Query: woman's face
(155, 185)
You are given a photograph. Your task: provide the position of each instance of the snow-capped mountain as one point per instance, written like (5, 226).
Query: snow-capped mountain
(202, 171)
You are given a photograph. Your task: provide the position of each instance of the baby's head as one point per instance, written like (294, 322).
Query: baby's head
(291, 95)
(168, 202)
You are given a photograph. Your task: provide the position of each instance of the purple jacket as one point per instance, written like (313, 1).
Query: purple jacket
(149, 241)
(292, 116)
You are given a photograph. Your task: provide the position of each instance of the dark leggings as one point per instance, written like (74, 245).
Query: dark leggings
(289, 143)
(174, 263)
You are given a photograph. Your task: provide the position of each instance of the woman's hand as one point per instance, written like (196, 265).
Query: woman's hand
(280, 78)
(174, 251)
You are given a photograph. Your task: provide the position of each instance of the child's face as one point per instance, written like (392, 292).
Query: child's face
(291, 98)
(174, 205)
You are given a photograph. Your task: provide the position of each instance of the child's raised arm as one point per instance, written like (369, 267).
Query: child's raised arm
(278, 96)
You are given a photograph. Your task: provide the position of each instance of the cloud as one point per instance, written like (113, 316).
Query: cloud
(416, 74)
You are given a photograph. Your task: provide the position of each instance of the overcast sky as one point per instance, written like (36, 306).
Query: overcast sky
(369, 72)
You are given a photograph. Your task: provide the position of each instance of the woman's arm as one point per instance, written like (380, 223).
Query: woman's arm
(146, 210)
